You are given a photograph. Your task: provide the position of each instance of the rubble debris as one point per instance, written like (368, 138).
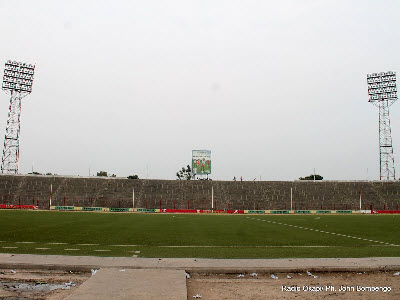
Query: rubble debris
(37, 287)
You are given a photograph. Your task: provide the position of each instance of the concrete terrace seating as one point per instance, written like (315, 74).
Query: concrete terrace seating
(251, 195)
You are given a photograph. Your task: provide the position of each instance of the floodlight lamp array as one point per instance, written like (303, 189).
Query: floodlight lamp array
(382, 86)
(18, 77)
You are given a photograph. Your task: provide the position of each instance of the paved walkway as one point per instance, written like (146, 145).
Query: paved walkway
(133, 284)
(154, 278)
(200, 264)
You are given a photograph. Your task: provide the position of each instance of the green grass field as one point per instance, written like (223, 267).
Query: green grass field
(195, 235)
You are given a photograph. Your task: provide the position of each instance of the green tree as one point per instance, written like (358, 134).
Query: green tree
(184, 174)
(311, 177)
(133, 177)
(102, 173)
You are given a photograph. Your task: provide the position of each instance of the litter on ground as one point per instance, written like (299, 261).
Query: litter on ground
(94, 272)
(273, 276)
(253, 274)
(71, 283)
(309, 274)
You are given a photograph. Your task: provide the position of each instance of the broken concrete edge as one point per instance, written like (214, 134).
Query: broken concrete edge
(207, 270)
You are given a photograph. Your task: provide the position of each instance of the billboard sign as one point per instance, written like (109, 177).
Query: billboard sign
(201, 162)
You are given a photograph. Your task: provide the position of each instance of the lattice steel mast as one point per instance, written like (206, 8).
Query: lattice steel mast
(17, 82)
(382, 92)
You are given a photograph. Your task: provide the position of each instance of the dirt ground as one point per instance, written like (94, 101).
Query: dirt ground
(57, 285)
(39, 284)
(299, 286)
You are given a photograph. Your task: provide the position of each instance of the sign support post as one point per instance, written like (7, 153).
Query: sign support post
(133, 198)
(291, 198)
(51, 194)
(212, 199)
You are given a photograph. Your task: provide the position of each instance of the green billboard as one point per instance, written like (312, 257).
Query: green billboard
(201, 162)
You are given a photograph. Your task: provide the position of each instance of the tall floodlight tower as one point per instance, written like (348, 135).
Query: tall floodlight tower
(382, 93)
(17, 82)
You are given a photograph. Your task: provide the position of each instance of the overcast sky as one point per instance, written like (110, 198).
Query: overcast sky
(273, 88)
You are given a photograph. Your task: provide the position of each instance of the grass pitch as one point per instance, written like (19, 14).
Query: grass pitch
(202, 236)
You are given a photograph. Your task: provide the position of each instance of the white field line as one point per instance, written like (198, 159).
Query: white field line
(327, 232)
(56, 243)
(227, 246)
(25, 242)
(42, 248)
(101, 250)
(9, 247)
(44, 243)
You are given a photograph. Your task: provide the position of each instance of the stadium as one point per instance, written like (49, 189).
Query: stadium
(155, 150)
(253, 223)
(137, 222)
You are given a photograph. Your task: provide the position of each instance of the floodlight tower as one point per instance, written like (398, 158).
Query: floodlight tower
(382, 93)
(17, 82)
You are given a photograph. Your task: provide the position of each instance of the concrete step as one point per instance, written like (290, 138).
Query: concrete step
(143, 284)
